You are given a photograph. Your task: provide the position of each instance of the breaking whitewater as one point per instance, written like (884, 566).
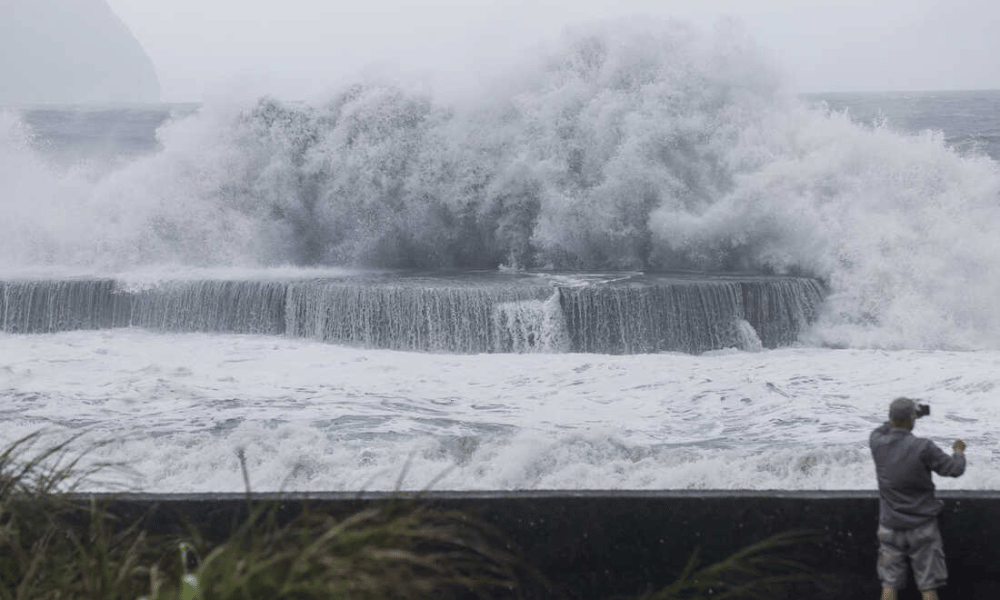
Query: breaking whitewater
(624, 151)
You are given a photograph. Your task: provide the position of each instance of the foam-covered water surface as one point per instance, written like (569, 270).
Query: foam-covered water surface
(313, 416)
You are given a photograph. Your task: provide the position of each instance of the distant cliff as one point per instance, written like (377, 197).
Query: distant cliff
(70, 51)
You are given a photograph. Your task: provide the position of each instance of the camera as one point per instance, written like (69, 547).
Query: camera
(923, 410)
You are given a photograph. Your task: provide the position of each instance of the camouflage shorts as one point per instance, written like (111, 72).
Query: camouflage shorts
(922, 546)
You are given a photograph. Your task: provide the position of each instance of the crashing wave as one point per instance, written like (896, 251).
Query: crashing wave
(630, 146)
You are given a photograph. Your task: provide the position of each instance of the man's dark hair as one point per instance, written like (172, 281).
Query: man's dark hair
(902, 411)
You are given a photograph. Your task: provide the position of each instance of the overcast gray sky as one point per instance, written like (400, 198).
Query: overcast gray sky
(300, 48)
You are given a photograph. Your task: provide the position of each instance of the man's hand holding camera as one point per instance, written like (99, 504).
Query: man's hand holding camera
(923, 410)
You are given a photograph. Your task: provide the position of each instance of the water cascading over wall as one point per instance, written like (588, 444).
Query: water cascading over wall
(689, 316)
(211, 306)
(207, 306)
(438, 314)
(407, 317)
(51, 306)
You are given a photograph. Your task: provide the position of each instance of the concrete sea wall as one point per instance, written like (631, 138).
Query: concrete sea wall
(464, 312)
(602, 544)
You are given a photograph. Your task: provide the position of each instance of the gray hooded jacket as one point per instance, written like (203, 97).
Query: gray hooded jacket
(903, 464)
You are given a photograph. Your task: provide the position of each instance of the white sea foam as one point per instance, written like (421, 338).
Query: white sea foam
(312, 416)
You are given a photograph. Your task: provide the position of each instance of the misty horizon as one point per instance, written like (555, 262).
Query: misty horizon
(306, 50)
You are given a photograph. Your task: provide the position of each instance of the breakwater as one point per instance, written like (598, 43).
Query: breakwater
(600, 544)
(458, 313)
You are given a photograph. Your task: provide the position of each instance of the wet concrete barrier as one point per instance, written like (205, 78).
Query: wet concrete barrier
(464, 312)
(604, 544)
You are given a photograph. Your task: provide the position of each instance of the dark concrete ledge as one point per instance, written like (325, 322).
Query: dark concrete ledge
(598, 544)
(519, 494)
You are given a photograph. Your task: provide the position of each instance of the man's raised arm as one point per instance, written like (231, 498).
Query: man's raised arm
(941, 463)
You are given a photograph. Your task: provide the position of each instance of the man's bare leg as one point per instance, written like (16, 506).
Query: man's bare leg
(890, 594)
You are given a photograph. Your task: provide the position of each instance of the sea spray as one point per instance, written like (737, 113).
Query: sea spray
(629, 146)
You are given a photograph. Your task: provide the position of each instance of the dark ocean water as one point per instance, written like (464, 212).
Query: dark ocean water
(969, 120)
(100, 134)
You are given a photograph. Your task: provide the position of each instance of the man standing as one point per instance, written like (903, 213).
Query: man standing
(908, 510)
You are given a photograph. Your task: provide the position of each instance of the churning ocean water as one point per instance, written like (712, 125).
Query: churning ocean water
(388, 290)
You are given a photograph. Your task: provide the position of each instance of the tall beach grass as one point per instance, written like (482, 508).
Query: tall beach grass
(55, 546)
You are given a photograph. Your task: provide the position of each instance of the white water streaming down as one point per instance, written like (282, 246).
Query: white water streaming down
(689, 315)
(531, 325)
(746, 336)
(466, 312)
(209, 306)
(426, 314)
